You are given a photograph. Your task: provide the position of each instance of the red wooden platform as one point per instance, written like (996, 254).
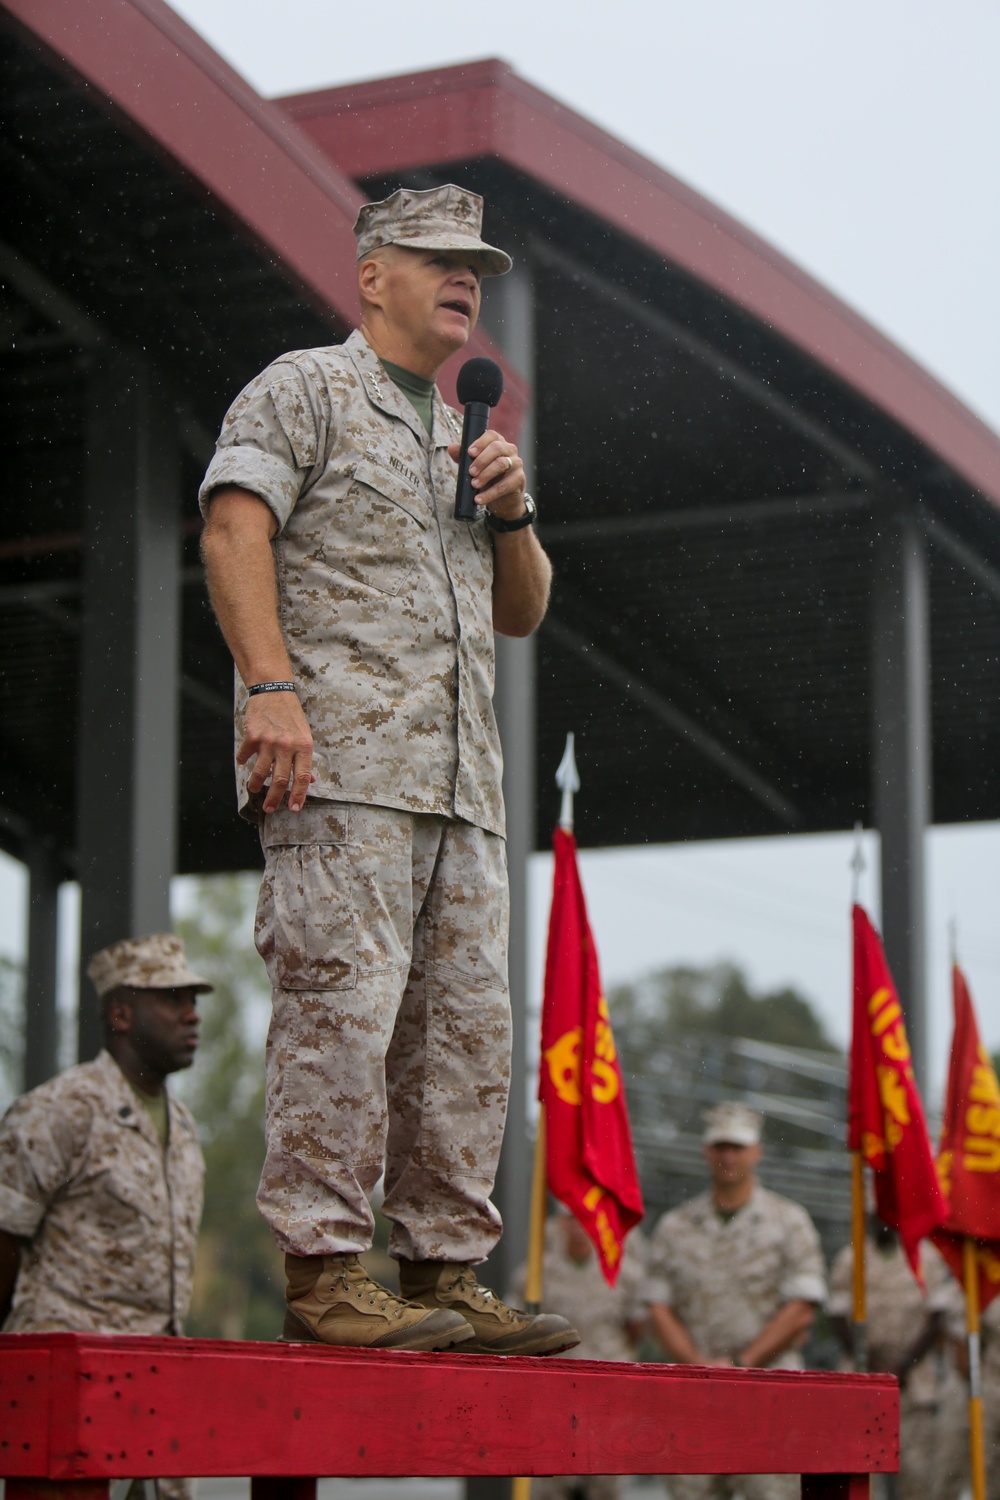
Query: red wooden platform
(84, 1409)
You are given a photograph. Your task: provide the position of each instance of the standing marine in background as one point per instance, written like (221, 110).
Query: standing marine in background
(735, 1277)
(100, 1169)
(101, 1173)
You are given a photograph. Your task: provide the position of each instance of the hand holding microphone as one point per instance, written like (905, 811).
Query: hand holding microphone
(479, 387)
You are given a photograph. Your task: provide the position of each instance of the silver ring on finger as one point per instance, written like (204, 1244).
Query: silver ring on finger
(510, 462)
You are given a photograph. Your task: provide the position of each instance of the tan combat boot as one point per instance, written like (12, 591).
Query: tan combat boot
(498, 1329)
(332, 1300)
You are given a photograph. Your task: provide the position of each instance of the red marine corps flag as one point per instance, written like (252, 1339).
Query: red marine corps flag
(969, 1160)
(969, 1169)
(589, 1158)
(885, 1117)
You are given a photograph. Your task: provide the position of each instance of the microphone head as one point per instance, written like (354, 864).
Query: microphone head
(480, 380)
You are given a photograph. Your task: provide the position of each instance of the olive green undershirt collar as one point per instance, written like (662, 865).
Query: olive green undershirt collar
(158, 1110)
(418, 391)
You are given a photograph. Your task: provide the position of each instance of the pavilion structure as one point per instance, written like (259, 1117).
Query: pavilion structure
(776, 538)
(166, 233)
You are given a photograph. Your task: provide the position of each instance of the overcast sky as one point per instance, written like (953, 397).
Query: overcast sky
(860, 137)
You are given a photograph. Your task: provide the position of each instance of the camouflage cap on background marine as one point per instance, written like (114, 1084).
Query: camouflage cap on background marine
(732, 1122)
(156, 962)
(443, 218)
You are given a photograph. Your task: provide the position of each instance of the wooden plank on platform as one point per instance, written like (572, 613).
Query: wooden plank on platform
(155, 1407)
(25, 1407)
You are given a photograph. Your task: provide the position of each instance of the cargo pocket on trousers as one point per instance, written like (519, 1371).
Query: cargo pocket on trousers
(305, 918)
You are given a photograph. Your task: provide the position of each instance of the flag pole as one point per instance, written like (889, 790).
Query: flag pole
(857, 863)
(859, 1325)
(859, 1317)
(521, 1484)
(977, 1464)
(568, 782)
(970, 1282)
(536, 1221)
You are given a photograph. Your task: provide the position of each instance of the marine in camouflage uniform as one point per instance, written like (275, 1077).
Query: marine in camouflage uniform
(906, 1338)
(361, 617)
(990, 1334)
(100, 1169)
(608, 1319)
(735, 1276)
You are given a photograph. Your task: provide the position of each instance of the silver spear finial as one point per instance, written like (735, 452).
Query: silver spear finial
(568, 782)
(857, 862)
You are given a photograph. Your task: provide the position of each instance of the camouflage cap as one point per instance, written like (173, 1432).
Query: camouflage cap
(157, 962)
(443, 218)
(735, 1123)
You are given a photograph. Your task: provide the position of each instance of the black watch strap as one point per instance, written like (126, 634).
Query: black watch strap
(496, 523)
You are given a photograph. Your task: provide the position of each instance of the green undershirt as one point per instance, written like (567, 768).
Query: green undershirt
(155, 1106)
(418, 391)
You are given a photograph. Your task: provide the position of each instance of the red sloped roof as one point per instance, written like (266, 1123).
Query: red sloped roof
(165, 81)
(485, 109)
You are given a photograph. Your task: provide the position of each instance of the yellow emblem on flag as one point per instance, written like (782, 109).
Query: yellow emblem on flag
(605, 1233)
(606, 1080)
(565, 1062)
(563, 1059)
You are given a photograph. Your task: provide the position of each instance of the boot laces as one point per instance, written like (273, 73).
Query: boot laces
(360, 1284)
(482, 1297)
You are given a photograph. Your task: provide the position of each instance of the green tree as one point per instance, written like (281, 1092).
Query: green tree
(238, 1283)
(714, 1001)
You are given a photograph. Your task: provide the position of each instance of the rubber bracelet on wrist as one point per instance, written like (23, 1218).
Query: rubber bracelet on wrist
(270, 687)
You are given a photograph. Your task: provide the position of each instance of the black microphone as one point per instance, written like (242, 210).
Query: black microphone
(479, 386)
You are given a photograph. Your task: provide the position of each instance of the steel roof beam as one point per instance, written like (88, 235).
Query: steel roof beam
(733, 765)
(77, 327)
(699, 349)
(33, 287)
(837, 503)
(834, 504)
(688, 695)
(32, 594)
(43, 597)
(960, 552)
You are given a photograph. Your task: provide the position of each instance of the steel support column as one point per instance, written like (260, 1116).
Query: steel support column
(41, 1020)
(511, 315)
(129, 667)
(902, 760)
